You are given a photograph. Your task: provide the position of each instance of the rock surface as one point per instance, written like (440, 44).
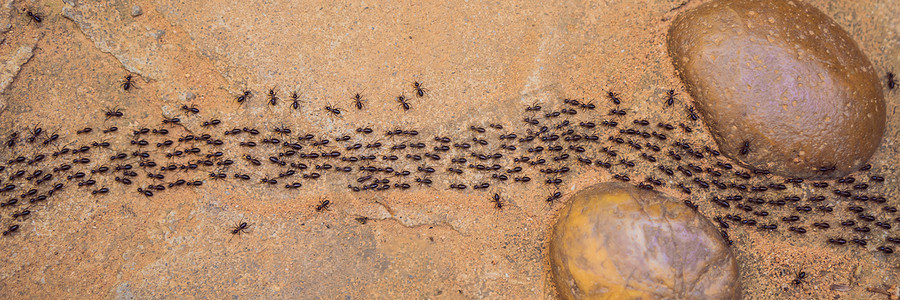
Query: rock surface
(781, 86)
(493, 60)
(616, 241)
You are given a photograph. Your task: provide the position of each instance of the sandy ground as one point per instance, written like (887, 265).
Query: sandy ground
(481, 62)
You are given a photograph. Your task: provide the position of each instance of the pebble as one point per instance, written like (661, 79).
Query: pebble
(615, 241)
(781, 86)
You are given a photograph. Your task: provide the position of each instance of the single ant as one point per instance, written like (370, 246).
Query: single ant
(128, 82)
(614, 97)
(334, 110)
(34, 16)
(244, 97)
(323, 205)
(799, 279)
(403, 102)
(670, 97)
(173, 120)
(358, 101)
(891, 80)
(296, 98)
(554, 196)
(114, 112)
(497, 203)
(191, 109)
(273, 98)
(692, 113)
(241, 227)
(420, 91)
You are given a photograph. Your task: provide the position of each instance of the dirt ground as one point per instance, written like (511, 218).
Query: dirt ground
(481, 63)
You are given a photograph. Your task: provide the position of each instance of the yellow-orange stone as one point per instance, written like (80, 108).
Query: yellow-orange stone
(615, 241)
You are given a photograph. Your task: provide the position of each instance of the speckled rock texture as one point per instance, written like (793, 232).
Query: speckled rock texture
(615, 241)
(482, 62)
(781, 86)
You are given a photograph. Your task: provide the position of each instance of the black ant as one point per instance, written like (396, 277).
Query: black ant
(553, 197)
(670, 97)
(191, 109)
(273, 99)
(114, 112)
(614, 97)
(35, 133)
(174, 120)
(497, 203)
(283, 130)
(620, 112)
(128, 82)
(692, 113)
(334, 110)
(34, 16)
(323, 205)
(24, 213)
(358, 101)
(420, 91)
(825, 169)
(241, 227)
(296, 98)
(745, 148)
(423, 181)
(403, 102)
(244, 97)
(891, 80)
(11, 229)
(799, 279)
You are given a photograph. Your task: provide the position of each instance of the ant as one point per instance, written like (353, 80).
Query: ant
(273, 99)
(24, 213)
(241, 227)
(244, 97)
(614, 97)
(420, 91)
(403, 102)
(35, 133)
(799, 279)
(174, 120)
(692, 113)
(423, 181)
(829, 168)
(34, 16)
(323, 205)
(670, 97)
(358, 101)
(497, 202)
(334, 110)
(296, 98)
(282, 130)
(128, 82)
(191, 109)
(11, 229)
(745, 148)
(114, 112)
(891, 80)
(553, 197)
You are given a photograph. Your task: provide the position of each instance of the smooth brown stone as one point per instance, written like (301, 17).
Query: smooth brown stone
(784, 77)
(615, 241)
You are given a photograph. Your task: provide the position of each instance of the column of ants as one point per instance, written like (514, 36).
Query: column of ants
(554, 141)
